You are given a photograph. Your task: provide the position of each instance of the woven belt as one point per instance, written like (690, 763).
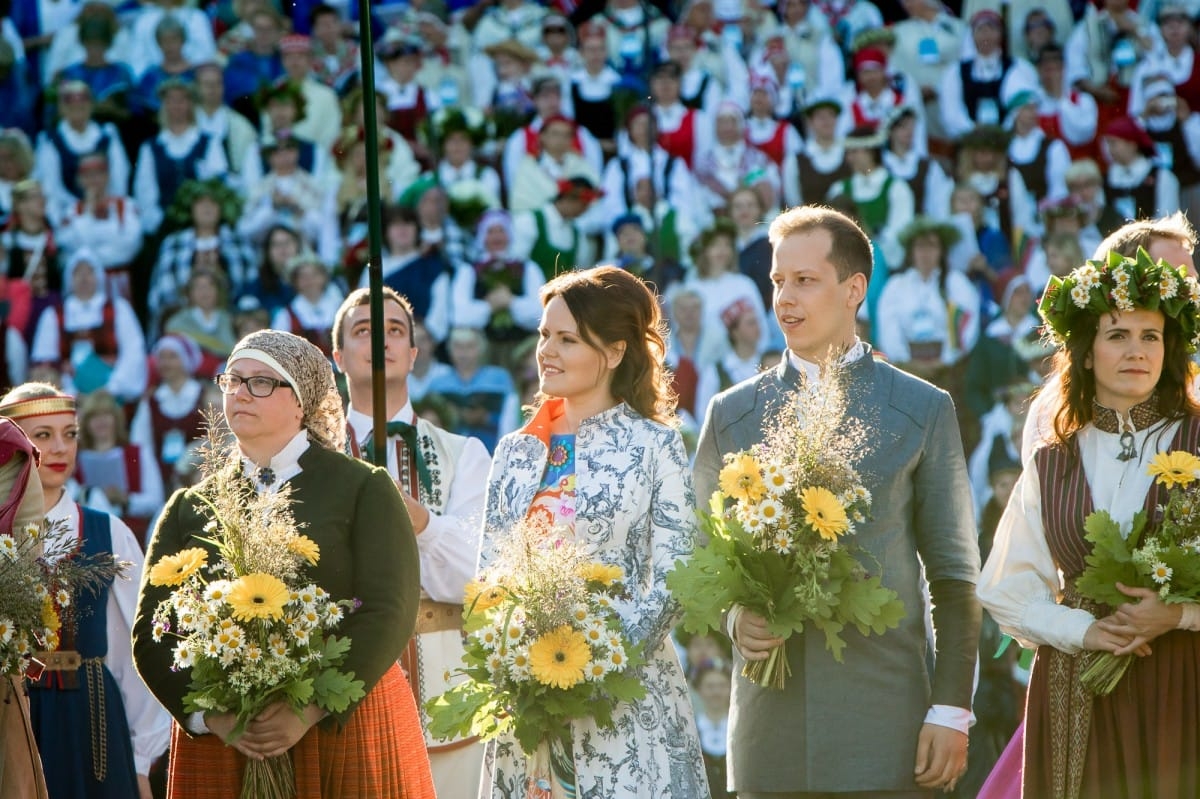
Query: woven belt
(436, 617)
(62, 660)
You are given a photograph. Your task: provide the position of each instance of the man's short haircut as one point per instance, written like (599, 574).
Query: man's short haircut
(360, 297)
(850, 247)
(1126, 239)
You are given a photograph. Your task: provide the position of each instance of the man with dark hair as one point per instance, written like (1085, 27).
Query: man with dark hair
(442, 478)
(883, 723)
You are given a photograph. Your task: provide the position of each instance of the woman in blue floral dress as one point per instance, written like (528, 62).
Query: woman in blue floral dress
(601, 458)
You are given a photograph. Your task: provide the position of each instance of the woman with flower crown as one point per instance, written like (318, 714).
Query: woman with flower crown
(1125, 328)
(97, 727)
(602, 463)
(281, 405)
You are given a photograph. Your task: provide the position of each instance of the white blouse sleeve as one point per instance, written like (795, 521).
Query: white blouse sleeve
(1020, 585)
(149, 723)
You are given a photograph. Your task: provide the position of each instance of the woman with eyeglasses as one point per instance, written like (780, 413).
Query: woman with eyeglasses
(97, 727)
(287, 421)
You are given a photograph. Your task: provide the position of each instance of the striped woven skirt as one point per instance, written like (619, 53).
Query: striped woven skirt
(379, 754)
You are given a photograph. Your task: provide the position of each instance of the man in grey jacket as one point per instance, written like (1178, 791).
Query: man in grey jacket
(892, 719)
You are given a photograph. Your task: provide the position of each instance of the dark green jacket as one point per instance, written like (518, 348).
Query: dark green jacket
(354, 512)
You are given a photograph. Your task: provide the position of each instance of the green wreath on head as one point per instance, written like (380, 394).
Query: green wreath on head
(179, 214)
(1120, 283)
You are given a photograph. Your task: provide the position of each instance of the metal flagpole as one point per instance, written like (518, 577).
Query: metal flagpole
(366, 51)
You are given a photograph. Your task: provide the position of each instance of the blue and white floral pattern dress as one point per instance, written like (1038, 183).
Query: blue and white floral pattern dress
(635, 508)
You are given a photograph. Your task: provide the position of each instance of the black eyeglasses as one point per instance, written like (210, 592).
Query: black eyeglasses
(258, 385)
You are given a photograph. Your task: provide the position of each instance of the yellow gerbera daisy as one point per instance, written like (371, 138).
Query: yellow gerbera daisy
(479, 596)
(306, 548)
(174, 569)
(50, 619)
(742, 480)
(258, 596)
(1175, 468)
(602, 573)
(559, 658)
(823, 512)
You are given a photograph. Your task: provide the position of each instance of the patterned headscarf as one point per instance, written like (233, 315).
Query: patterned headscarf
(309, 374)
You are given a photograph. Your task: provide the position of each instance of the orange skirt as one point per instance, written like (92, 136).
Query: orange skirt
(379, 754)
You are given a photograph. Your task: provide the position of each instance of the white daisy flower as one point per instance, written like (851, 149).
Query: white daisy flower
(6, 631)
(770, 510)
(1161, 572)
(185, 655)
(8, 547)
(781, 543)
(1079, 295)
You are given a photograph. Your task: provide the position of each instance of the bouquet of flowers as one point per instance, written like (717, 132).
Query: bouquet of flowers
(781, 548)
(545, 645)
(40, 573)
(1164, 558)
(251, 628)
(468, 200)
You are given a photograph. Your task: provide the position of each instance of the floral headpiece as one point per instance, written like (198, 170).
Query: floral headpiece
(1121, 283)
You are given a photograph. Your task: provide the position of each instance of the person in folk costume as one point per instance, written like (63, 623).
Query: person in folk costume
(503, 85)
(631, 250)
(930, 184)
(632, 30)
(22, 506)
(809, 177)
(604, 418)
(720, 283)
(742, 360)
(16, 166)
(455, 135)
(286, 416)
(876, 94)
(730, 163)
(698, 87)
(115, 474)
(518, 20)
(1121, 395)
(921, 524)
(928, 317)
(976, 93)
(95, 340)
(1175, 128)
(171, 415)
(33, 258)
(111, 80)
(984, 166)
(590, 94)
(640, 157)
(288, 194)
(776, 138)
(683, 132)
(257, 64)
(232, 130)
(335, 58)
(180, 152)
(553, 236)
(537, 175)
(438, 475)
(400, 167)
(1134, 183)
(548, 103)
(556, 47)
(205, 317)
(97, 726)
(803, 57)
(1102, 53)
(408, 102)
(1064, 112)
(108, 224)
(322, 120)
(76, 135)
(311, 312)
(748, 214)
(691, 347)
(1041, 160)
(282, 106)
(424, 279)
(499, 294)
(884, 202)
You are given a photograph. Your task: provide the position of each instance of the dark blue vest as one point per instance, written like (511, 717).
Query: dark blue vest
(172, 173)
(69, 159)
(415, 281)
(308, 157)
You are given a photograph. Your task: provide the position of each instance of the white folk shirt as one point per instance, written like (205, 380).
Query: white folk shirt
(149, 723)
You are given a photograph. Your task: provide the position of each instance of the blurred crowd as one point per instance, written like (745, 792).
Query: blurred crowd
(177, 173)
